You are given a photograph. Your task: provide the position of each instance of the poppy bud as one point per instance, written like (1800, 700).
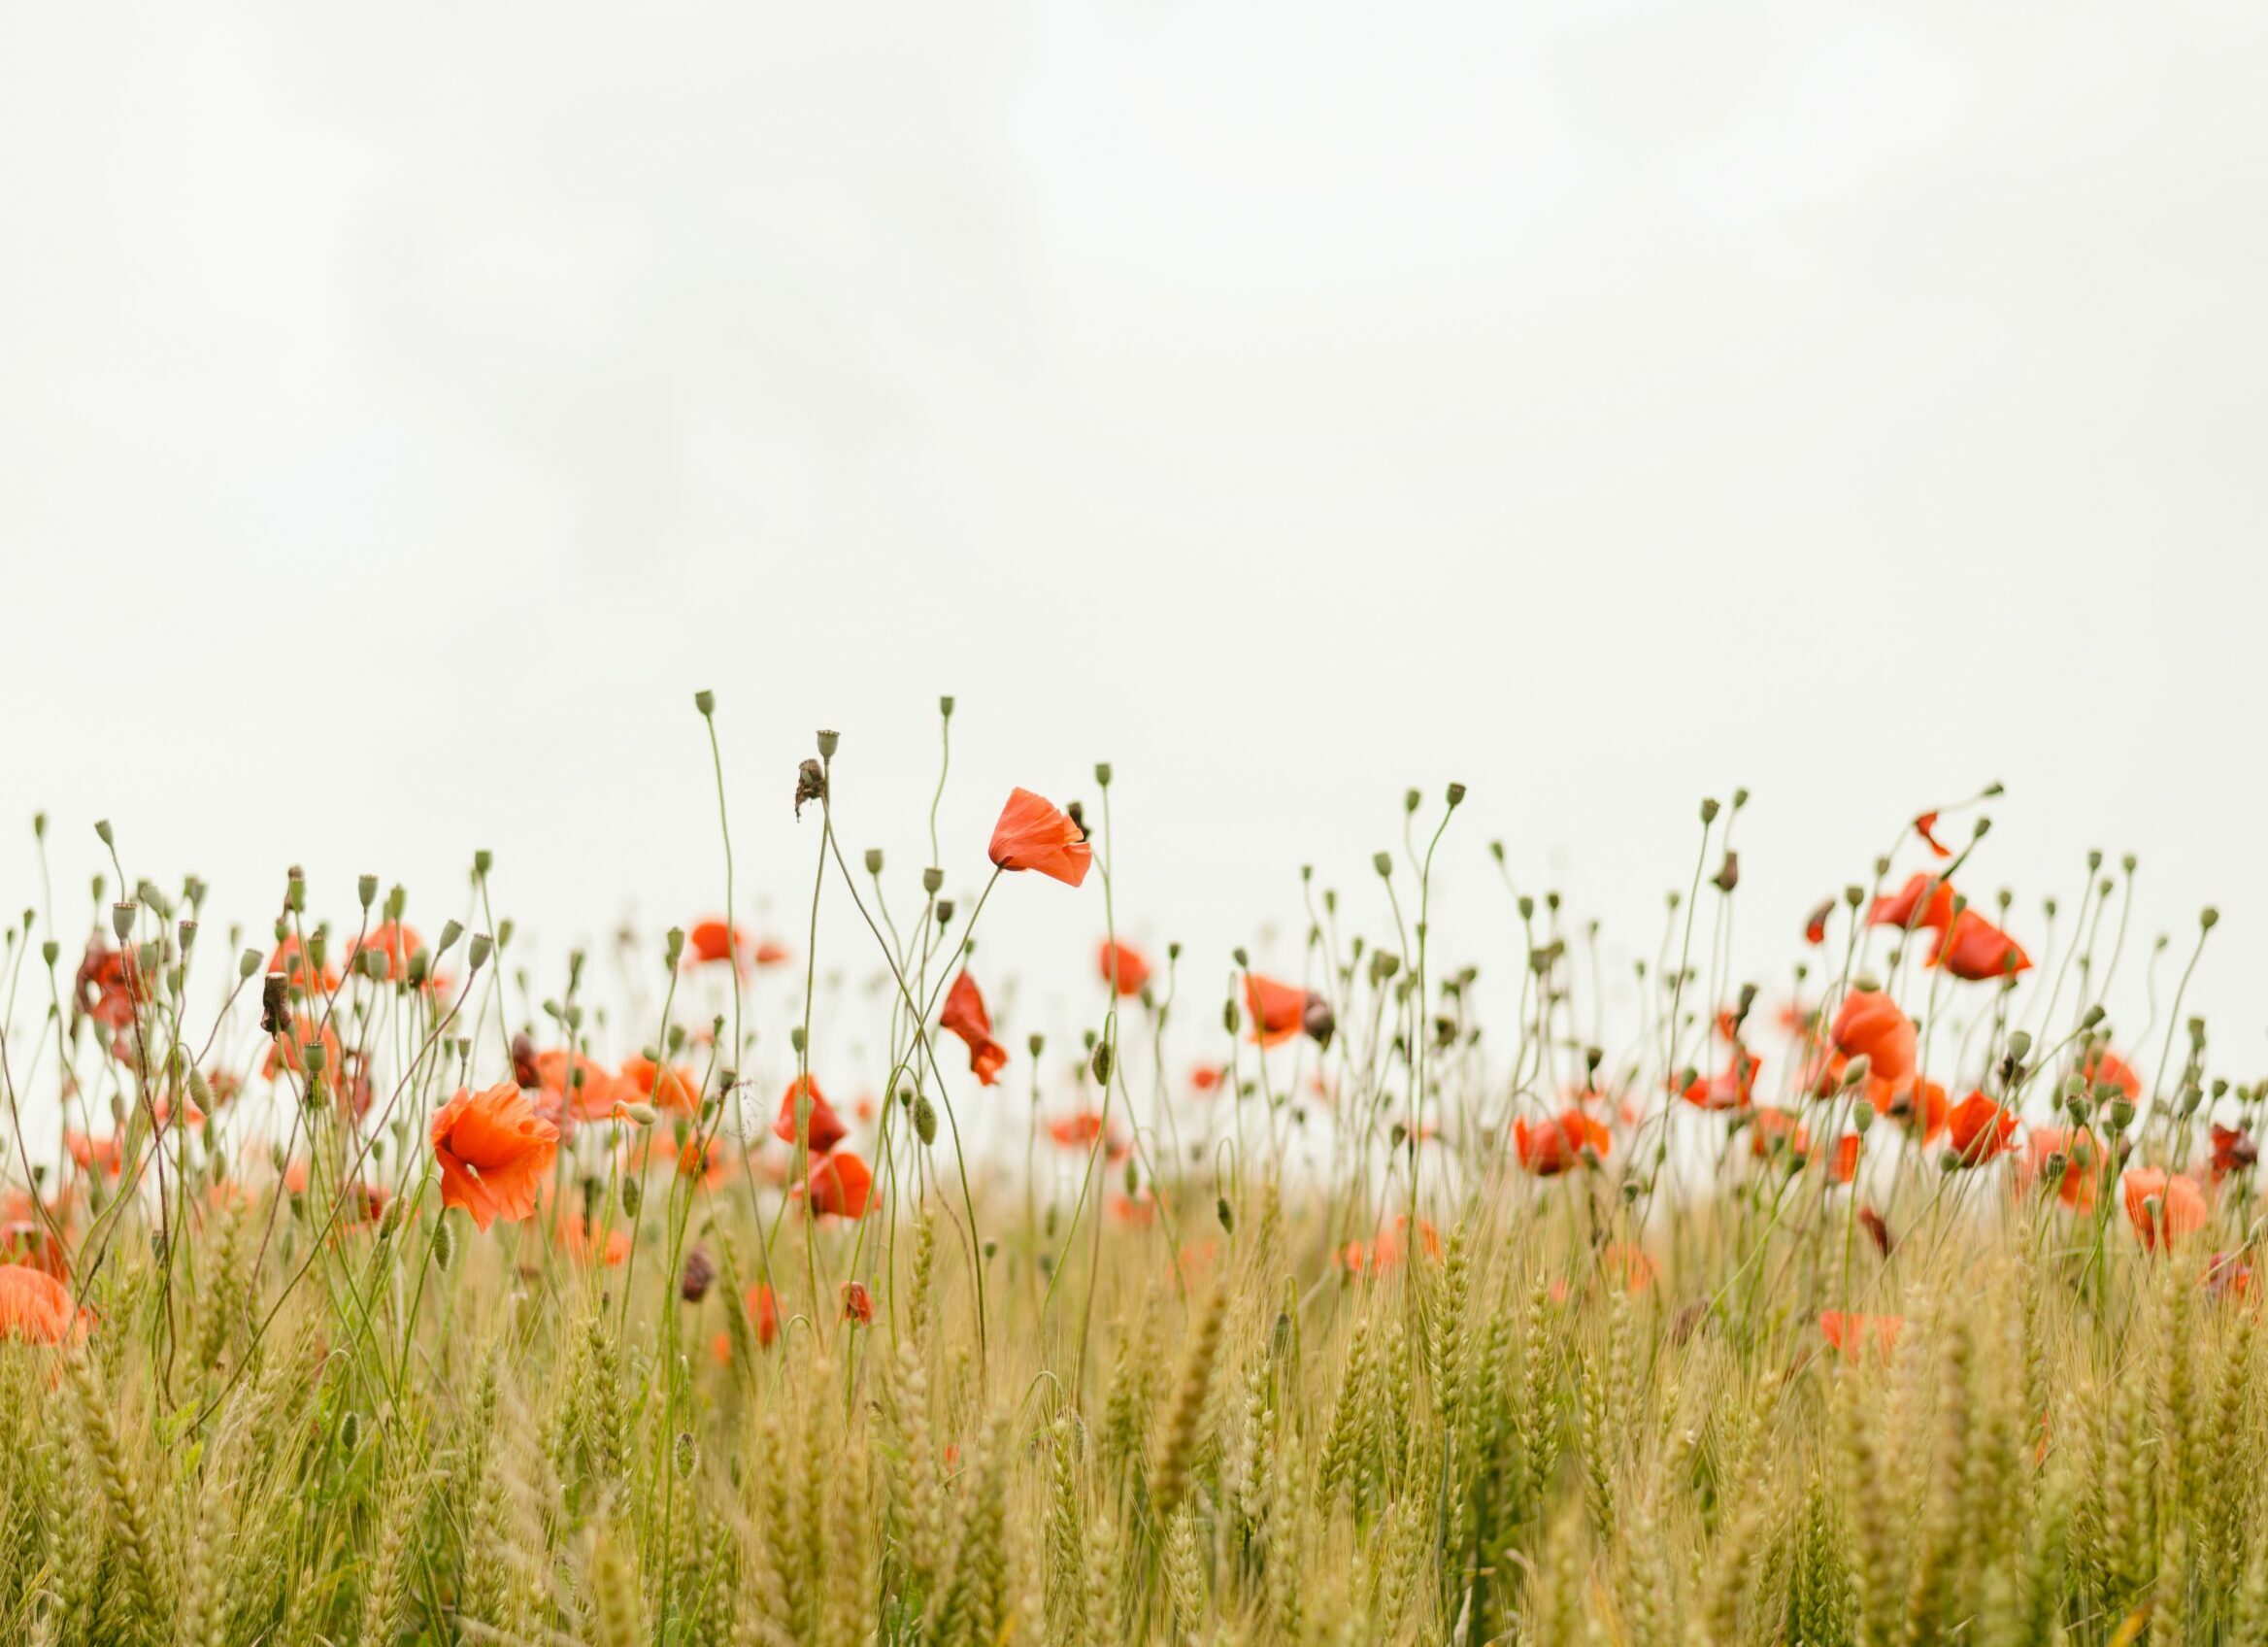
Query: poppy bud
(2020, 1044)
(371, 963)
(1231, 1020)
(121, 920)
(827, 742)
(924, 1118)
(706, 702)
(1100, 1063)
(674, 947)
(2207, 918)
(450, 932)
(50, 950)
(639, 1114)
(633, 1196)
(1133, 1179)
(874, 860)
(443, 1242)
(1411, 800)
(944, 707)
(1456, 794)
(477, 952)
(698, 1274)
(1227, 1214)
(39, 826)
(102, 828)
(1383, 862)
(1102, 773)
(1708, 810)
(1862, 1118)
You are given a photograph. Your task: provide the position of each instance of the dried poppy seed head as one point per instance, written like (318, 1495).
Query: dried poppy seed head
(477, 952)
(932, 879)
(811, 784)
(828, 740)
(121, 920)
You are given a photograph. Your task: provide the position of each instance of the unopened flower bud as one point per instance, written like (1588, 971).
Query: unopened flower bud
(924, 1118)
(1100, 1063)
(1383, 862)
(1227, 1214)
(1862, 1118)
(633, 1196)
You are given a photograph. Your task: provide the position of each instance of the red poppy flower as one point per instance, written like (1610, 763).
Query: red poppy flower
(1556, 1145)
(1279, 1011)
(1925, 827)
(1768, 1128)
(1978, 1128)
(1124, 963)
(2077, 1187)
(964, 1015)
(108, 988)
(1080, 1130)
(34, 1246)
(1870, 1023)
(1733, 1089)
(1843, 1164)
(670, 1088)
(285, 1051)
(2233, 1151)
(2103, 1064)
(1627, 1267)
(93, 1155)
(35, 1308)
(290, 959)
(493, 1151)
(1924, 901)
(1815, 924)
(397, 943)
(840, 1184)
(765, 1311)
(581, 1086)
(826, 1125)
(364, 1203)
(1976, 949)
(1848, 1333)
(1033, 834)
(1386, 1253)
(1137, 1211)
(771, 952)
(1920, 1107)
(857, 1305)
(713, 939)
(1205, 1077)
(583, 1246)
(1877, 1230)
(2180, 1209)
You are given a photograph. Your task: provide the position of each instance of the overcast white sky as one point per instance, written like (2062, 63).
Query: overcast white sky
(403, 410)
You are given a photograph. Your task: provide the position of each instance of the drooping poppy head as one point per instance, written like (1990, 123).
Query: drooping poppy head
(1849, 1333)
(1558, 1144)
(35, 1308)
(1976, 949)
(858, 1303)
(1978, 1130)
(839, 1186)
(493, 1151)
(713, 940)
(1033, 834)
(2233, 1151)
(1924, 901)
(1279, 1011)
(1123, 966)
(964, 1015)
(826, 1127)
(1869, 1025)
(2163, 1207)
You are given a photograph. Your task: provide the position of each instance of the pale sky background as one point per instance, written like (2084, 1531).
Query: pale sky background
(403, 410)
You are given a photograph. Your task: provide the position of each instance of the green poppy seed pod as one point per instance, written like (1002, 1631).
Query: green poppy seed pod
(874, 860)
(248, 964)
(1227, 1214)
(397, 900)
(371, 963)
(2118, 1113)
(633, 1196)
(1411, 800)
(944, 707)
(1100, 1063)
(121, 920)
(1132, 1179)
(674, 947)
(827, 742)
(2207, 918)
(420, 966)
(1740, 797)
(185, 933)
(147, 956)
(795, 1037)
(1982, 828)
(319, 947)
(366, 889)
(39, 826)
(945, 912)
(316, 1056)
(390, 1223)
(705, 701)
(924, 1118)
(477, 954)
(102, 828)
(1383, 862)
(1231, 1020)
(2191, 1097)
(483, 860)
(1038, 1043)
(50, 951)
(443, 1242)
(450, 932)
(1861, 1117)
(1456, 794)
(2094, 859)
(2020, 1044)
(1102, 773)
(933, 880)
(1708, 810)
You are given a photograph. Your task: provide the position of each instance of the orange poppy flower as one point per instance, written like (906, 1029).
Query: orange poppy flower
(1556, 1145)
(35, 1246)
(108, 988)
(583, 1245)
(1849, 1332)
(290, 959)
(1978, 1128)
(1033, 834)
(1769, 1127)
(2077, 1187)
(94, 1155)
(1124, 963)
(1815, 924)
(1390, 1247)
(1925, 827)
(857, 1305)
(1921, 1108)
(365, 1203)
(1205, 1077)
(964, 1015)
(765, 1311)
(1869, 1023)
(841, 1186)
(493, 1151)
(35, 1308)
(1924, 901)
(582, 1085)
(1626, 1265)
(666, 1087)
(704, 1161)
(2233, 1151)
(2179, 1205)
(1976, 949)
(1279, 1011)
(287, 1049)
(1080, 1130)
(397, 943)
(825, 1126)
(2104, 1065)
(1134, 1211)
(1843, 1164)
(1733, 1089)
(713, 939)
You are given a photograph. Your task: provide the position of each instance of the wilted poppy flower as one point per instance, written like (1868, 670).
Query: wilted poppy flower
(840, 1184)
(1033, 834)
(2162, 1207)
(1877, 1230)
(964, 1015)
(713, 939)
(35, 1308)
(2103, 1065)
(290, 959)
(1978, 1128)
(1977, 950)
(1123, 963)
(2075, 1149)
(493, 1151)
(826, 1125)
(1925, 827)
(1924, 901)
(1279, 1011)
(1869, 1024)
(1556, 1145)
(670, 1088)
(1735, 1088)
(1849, 1333)
(2233, 1151)
(1815, 924)
(857, 1305)
(698, 1274)
(93, 1155)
